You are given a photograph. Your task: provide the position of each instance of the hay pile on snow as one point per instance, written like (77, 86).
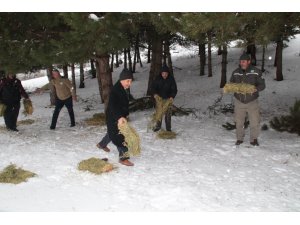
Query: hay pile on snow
(14, 175)
(95, 165)
(25, 122)
(240, 88)
(98, 119)
(166, 134)
(132, 139)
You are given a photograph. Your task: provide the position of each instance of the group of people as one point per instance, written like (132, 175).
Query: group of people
(117, 110)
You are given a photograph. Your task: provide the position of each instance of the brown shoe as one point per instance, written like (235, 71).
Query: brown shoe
(106, 149)
(126, 162)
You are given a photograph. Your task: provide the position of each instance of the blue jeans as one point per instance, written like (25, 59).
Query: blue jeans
(122, 149)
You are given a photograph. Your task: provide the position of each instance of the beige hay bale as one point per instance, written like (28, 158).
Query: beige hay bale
(132, 139)
(14, 175)
(240, 88)
(28, 108)
(166, 134)
(25, 122)
(95, 165)
(161, 107)
(2, 109)
(98, 119)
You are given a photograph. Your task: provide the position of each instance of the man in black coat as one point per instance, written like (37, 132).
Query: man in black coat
(165, 86)
(116, 113)
(11, 91)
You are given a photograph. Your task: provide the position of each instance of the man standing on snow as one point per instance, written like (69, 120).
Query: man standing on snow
(11, 91)
(116, 113)
(64, 91)
(247, 103)
(165, 87)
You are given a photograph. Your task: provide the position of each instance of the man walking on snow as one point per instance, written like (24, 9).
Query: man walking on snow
(247, 103)
(116, 113)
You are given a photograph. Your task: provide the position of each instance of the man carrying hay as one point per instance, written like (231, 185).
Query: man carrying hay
(65, 95)
(164, 88)
(247, 102)
(11, 91)
(116, 113)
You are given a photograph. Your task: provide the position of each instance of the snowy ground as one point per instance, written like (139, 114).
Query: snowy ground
(198, 171)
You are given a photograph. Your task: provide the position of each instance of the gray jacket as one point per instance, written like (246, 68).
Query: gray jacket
(251, 75)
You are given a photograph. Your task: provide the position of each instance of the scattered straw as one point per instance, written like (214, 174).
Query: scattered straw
(98, 119)
(240, 88)
(132, 139)
(25, 122)
(28, 108)
(166, 134)
(95, 165)
(14, 175)
(2, 109)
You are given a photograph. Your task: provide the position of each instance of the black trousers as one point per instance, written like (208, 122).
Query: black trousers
(11, 115)
(59, 104)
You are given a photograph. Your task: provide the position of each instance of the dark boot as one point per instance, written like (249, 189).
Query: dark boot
(238, 142)
(157, 126)
(254, 142)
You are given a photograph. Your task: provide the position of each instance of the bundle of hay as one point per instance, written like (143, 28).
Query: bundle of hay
(98, 119)
(132, 139)
(240, 88)
(12, 174)
(95, 165)
(161, 107)
(166, 134)
(28, 108)
(2, 109)
(25, 122)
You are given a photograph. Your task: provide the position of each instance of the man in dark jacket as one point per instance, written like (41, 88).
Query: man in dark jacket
(165, 87)
(116, 113)
(11, 91)
(246, 73)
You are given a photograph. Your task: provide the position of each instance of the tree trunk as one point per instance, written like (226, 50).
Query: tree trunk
(224, 66)
(149, 53)
(169, 58)
(105, 77)
(202, 58)
(165, 53)
(251, 49)
(156, 63)
(65, 70)
(279, 49)
(219, 50)
(129, 60)
(136, 49)
(276, 56)
(263, 59)
(112, 63)
(125, 58)
(73, 77)
(99, 81)
(81, 84)
(52, 94)
(209, 61)
(117, 59)
(93, 70)
(139, 57)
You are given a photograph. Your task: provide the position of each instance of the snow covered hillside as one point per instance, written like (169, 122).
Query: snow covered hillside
(200, 170)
